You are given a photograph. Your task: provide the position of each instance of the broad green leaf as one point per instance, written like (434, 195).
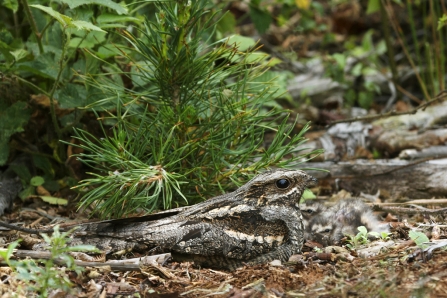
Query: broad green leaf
(24, 274)
(53, 200)
(375, 234)
(71, 96)
(6, 37)
(11, 4)
(19, 54)
(107, 3)
(21, 171)
(7, 253)
(83, 25)
(13, 120)
(255, 57)
(34, 48)
(274, 61)
(362, 230)
(107, 51)
(112, 26)
(367, 41)
(113, 18)
(243, 43)
(66, 21)
(92, 39)
(373, 6)
(26, 192)
(5, 50)
(37, 181)
(340, 59)
(62, 19)
(227, 23)
(67, 260)
(45, 65)
(261, 19)
(51, 185)
(369, 71)
(357, 70)
(308, 195)
(419, 238)
(380, 47)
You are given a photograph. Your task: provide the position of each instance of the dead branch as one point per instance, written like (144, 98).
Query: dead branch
(117, 265)
(437, 98)
(404, 210)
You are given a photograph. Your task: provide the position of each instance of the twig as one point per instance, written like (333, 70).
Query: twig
(438, 97)
(25, 230)
(398, 30)
(121, 265)
(389, 46)
(33, 25)
(408, 210)
(406, 93)
(406, 166)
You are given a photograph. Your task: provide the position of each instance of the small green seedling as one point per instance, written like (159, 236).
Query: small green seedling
(362, 237)
(42, 276)
(318, 250)
(382, 235)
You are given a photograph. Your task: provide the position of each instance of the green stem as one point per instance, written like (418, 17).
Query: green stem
(32, 22)
(56, 83)
(398, 31)
(31, 85)
(389, 47)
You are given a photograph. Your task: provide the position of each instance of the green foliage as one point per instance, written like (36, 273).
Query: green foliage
(195, 125)
(49, 58)
(42, 276)
(419, 238)
(357, 62)
(44, 50)
(373, 6)
(442, 21)
(308, 195)
(14, 118)
(426, 54)
(355, 241)
(37, 181)
(67, 22)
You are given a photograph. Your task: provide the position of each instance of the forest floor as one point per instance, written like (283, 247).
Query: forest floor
(401, 269)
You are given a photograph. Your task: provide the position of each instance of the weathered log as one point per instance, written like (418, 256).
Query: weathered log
(434, 151)
(397, 178)
(394, 141)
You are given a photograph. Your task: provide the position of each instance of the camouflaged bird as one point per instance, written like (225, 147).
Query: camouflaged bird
(310, 209)
(257, 223)
(342, 219)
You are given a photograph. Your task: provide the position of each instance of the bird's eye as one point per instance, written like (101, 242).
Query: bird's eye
(327, 231)
(282, 183)
(310, 211)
